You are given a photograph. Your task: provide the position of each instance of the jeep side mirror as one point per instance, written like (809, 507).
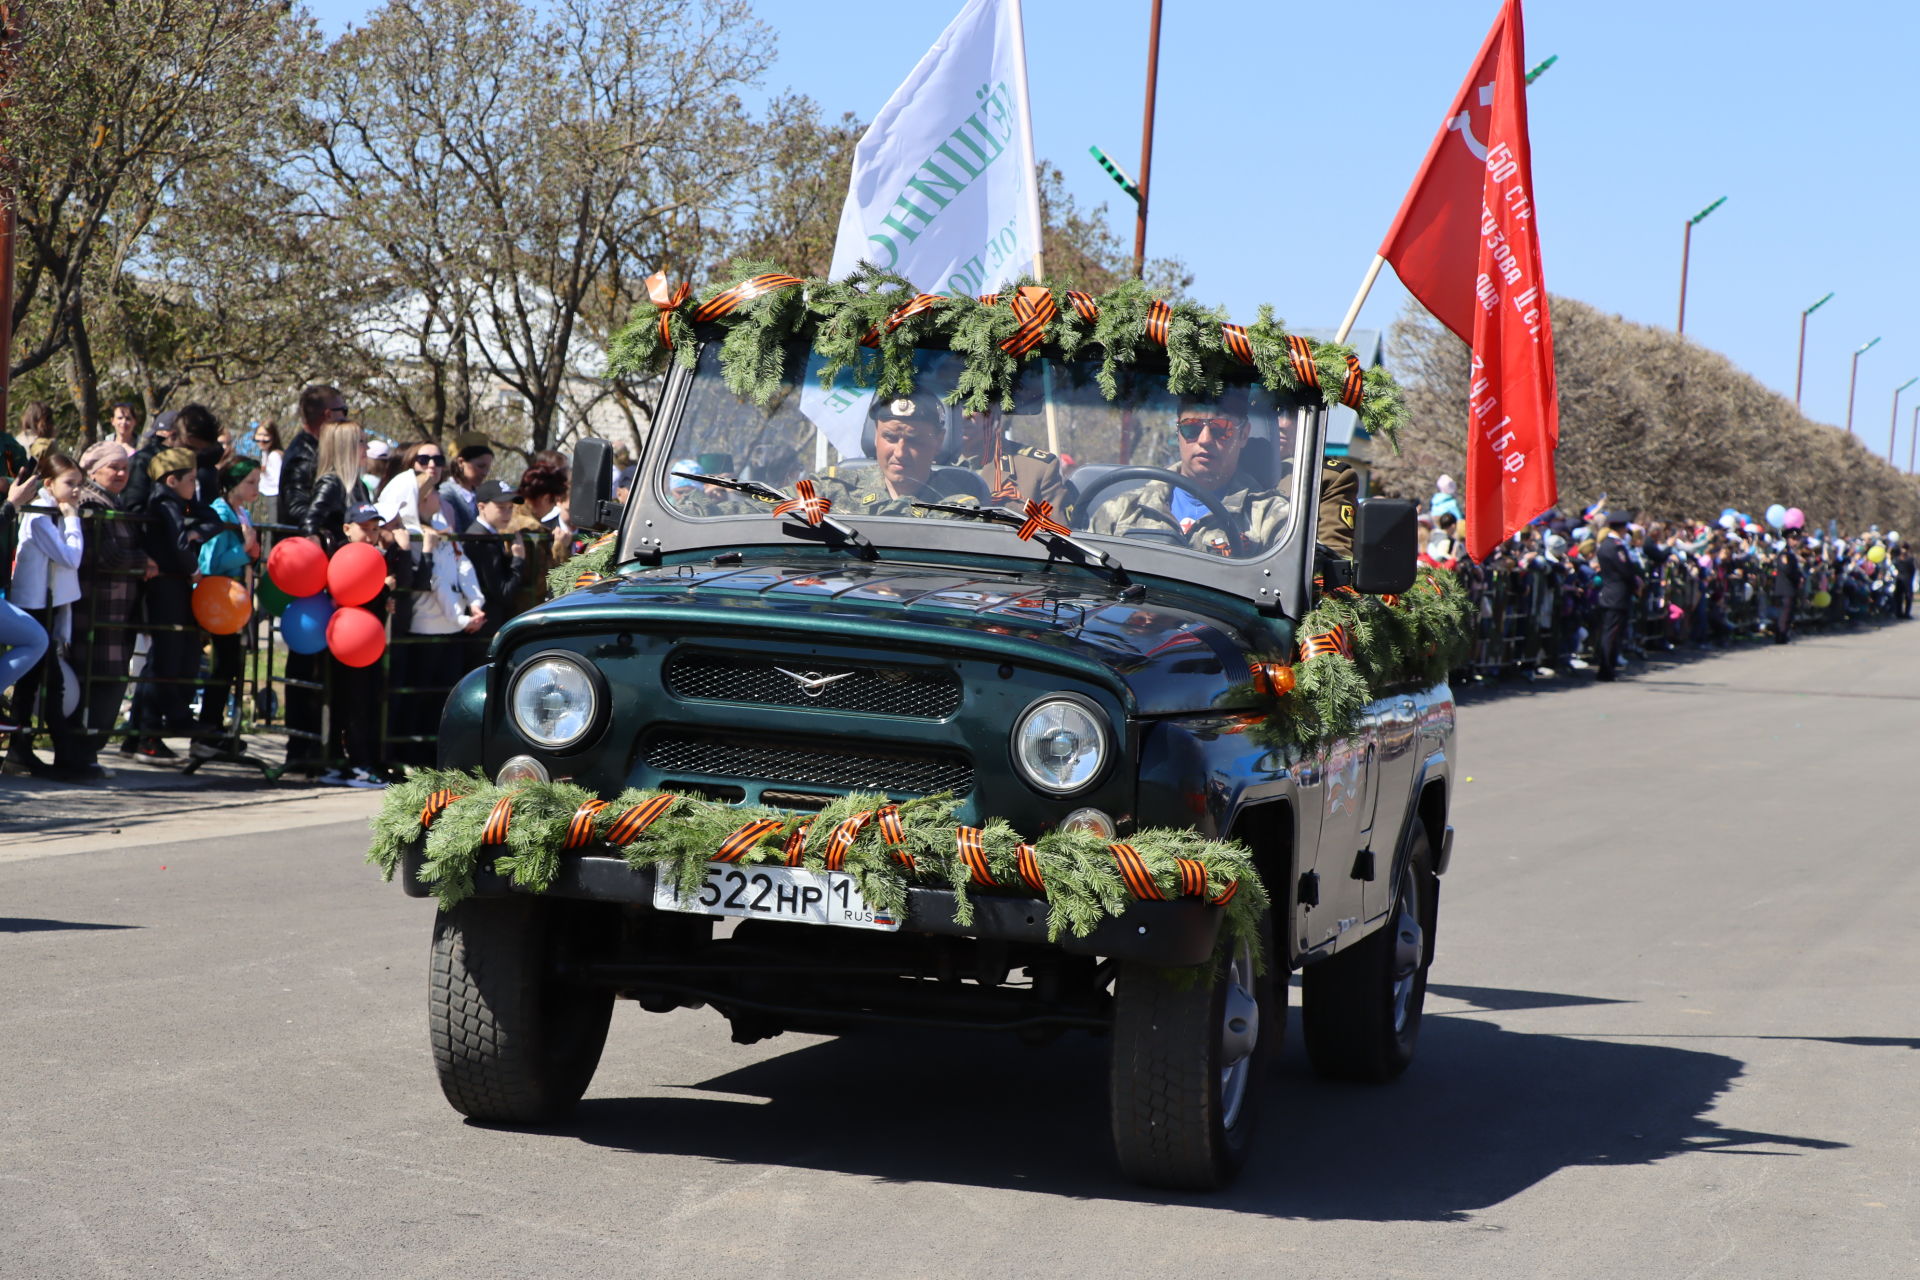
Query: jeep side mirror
(591, 505)
(1385, 546)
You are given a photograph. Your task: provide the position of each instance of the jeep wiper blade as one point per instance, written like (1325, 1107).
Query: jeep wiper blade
(843, 534)
(1058, 543)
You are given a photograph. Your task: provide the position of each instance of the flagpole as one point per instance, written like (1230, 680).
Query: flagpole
(1366, 287)
(1033, 205)
(1146, 146)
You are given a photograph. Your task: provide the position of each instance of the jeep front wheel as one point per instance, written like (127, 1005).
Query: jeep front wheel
(1361, 1008)
(1188, 1057)
(511, 1042)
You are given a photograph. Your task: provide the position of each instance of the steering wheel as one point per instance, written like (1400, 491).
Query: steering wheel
(1238, 546)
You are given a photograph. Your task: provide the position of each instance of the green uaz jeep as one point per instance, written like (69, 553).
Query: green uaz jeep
(881, 711)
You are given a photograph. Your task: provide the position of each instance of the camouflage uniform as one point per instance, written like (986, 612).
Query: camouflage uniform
(862, 491)
(1262, 514)
(1339, 495)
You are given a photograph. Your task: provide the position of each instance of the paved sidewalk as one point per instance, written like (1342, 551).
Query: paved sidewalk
(159, 802)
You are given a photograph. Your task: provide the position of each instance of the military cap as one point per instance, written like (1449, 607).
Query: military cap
(920, 406)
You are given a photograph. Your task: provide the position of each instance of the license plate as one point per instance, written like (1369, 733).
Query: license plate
(776, 893)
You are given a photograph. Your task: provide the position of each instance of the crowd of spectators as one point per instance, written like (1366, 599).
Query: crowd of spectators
(1598, 590)
(101, 555)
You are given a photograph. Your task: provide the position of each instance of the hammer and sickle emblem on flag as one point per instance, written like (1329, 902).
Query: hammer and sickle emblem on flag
(1463, 125)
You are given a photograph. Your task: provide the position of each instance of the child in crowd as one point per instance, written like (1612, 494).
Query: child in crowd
(176, 526)
(46, 582)
(231, 553)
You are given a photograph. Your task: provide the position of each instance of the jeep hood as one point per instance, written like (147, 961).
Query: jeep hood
(1166, 653)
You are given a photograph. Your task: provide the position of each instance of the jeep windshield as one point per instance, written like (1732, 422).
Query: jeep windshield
(1147, 476)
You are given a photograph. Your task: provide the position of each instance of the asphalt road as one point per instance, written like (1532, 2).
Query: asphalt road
(1673, 1033)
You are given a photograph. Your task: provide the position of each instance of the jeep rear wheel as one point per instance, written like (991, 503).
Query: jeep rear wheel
(1361, 1008)
(511, 1042)
(1188, 1059)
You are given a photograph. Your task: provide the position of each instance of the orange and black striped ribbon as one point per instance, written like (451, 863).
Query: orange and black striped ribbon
(602, 542)
(1133, 869)
(989, 299)
(495, 831)
(1234, 338)
(735, 846)
(436, 805)
(973, 852)
(1035, 308)
(1274, 679)
(1226, 894)
(900, 315)
(1193, 878)
(1159, 314)
(891, 828)
(724, 302)
(1334, 641)
(580, 828)
(1028, 864)
(587, 578)
(1040, 519)
(843, 837)
(1082, 304)
(809, 505)
(1352, 390)
(1389, 600)
(796, 847)
(667, 300)
(1300, 352)
(628, 826)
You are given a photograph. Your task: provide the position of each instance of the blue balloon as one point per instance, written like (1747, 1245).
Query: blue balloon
(1729, 511)
(1776, 516)
(304, 625)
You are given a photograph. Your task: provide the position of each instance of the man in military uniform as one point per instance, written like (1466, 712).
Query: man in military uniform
(909, 433)
(1213, 434)
(1014, 473)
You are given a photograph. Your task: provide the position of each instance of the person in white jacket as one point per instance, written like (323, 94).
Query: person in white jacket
(450, 603)
(46, 582)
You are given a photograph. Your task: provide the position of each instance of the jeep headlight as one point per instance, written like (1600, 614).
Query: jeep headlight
(554, 701)
(1060, 744)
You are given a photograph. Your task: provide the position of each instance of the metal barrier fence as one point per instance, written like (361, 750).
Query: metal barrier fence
(139, 659)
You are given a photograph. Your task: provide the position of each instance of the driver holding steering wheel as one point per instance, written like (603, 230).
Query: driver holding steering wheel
(1212, 435)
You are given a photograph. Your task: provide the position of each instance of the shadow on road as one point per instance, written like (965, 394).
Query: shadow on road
(19, 924)
(1484, 1114)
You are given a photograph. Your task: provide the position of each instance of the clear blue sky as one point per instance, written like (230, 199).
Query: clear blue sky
(1288, 133)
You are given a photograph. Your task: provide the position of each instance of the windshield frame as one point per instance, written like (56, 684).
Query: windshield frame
(1279, 578)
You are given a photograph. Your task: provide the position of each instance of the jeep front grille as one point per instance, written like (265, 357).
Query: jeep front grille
(923, 693)
(758, 760)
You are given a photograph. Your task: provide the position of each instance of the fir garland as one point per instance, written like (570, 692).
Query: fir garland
(1411, 639)
(1083, 879)
(865, 325)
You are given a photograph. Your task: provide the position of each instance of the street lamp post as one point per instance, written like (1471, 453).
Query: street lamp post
(1855, 377)
(1800, 370)
(1894, 426)
(1686, 251)
(1913, 433)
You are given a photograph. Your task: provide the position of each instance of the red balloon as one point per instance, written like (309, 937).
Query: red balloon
(356, 637)
(356, 573)
(298, 567)
(221, 606)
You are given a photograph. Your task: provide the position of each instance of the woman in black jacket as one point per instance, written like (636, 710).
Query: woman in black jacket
(337, 488)
(176, 527)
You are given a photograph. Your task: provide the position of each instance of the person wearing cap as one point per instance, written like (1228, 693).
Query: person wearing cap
(1619, 584)
(499, 559)
(174, 533)
(909, 435)
(379, 458)
(1211, 436)
(472, 463)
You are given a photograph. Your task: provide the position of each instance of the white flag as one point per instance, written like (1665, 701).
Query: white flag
(943, 190)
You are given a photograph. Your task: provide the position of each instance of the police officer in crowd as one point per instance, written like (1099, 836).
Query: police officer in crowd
(1619, 585)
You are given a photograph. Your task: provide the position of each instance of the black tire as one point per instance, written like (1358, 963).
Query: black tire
(1183, 1105)
(1360, 1010)
(512, 1044)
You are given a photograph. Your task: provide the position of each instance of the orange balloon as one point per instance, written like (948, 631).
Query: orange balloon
(221, 606)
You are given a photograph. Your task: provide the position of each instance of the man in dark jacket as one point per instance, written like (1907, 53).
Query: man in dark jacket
(319, 405)
(1619, 584)
(173, 535)
(139, 484)
(499, 560)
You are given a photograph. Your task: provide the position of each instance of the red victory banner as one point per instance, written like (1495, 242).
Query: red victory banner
(1467, 245)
